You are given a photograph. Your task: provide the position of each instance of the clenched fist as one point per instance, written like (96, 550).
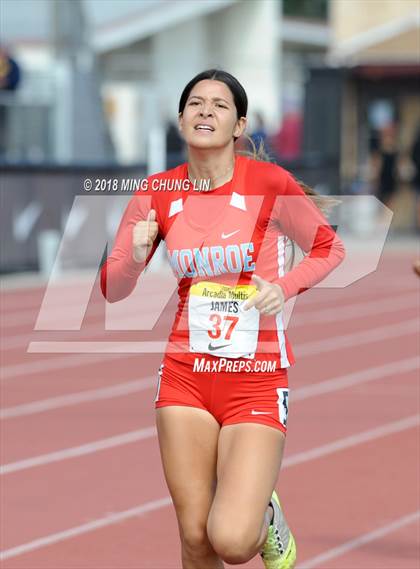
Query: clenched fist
(144, 234)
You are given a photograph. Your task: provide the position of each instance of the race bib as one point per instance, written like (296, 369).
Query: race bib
(218, 324)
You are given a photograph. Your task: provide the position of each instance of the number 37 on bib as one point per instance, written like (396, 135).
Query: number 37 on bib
(217, 323)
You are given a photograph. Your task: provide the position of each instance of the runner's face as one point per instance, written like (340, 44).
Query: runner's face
(209, 119)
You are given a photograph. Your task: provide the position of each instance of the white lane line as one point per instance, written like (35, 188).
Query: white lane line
(129, 387)
(26, 304)
(14, 319)
(299, 317)
(63, 362)
(95, 347)
(148, 432)
(82, 450)
(386, 284)
(108, 520)
(366, 291)
(308, 348)
(356, 310)
(356, 378)
(42, 405)
(58, 315)
(95, 326)
(150, 506)
(359, 338)
(360, 541)
(353, 440)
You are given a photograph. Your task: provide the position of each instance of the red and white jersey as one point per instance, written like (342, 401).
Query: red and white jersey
(216, 240)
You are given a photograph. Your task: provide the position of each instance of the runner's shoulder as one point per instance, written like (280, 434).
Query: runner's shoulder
(267, 177)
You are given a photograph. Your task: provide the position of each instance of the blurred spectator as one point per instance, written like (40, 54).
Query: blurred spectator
(259, 134)
(385, 164)
(373, 140)
(287, 142)
(9, 71)
(415, 157)
(174, 146)
(9, 80)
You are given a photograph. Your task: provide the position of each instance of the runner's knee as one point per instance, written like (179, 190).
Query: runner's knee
(194, 538)
(234, 543)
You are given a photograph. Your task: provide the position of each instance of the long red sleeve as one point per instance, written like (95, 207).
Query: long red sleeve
(301, 220)
(120, 272)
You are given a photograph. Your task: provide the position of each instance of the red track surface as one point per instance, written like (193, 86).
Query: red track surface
(351, 505)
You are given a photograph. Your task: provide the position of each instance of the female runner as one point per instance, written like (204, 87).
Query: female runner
(222, 396)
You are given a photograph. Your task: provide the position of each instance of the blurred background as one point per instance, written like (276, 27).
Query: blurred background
(89, 89)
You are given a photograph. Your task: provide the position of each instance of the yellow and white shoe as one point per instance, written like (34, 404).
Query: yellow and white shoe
(279, 551)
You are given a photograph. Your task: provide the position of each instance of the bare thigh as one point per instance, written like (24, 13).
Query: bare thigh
(188, 439)
(249, 460)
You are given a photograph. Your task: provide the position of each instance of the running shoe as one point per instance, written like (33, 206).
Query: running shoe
(279, 551)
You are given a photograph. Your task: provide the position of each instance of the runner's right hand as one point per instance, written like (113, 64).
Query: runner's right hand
(144, 234)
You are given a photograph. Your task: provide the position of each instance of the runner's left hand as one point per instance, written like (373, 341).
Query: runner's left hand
(269, 298)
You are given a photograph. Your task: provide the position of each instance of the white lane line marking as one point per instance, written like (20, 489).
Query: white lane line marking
(148, 432)
(353, 440)
(42, 405)
(340, 313)
(27, 303)
(95, 347)
(14, 319)
(365, 292)
(150, 506)
(122, 389)
(68, 361)
(360, 541)
(362, 337)
(309, 348)
(356, 378)
(300, 317)
(82, 450)
(356, 310)
(85, 528)
(57, 315)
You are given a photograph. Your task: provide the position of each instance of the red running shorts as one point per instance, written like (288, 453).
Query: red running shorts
(231, 397)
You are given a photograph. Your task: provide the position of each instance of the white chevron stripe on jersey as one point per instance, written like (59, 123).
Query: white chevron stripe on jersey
(281, 256)
(160, 371)
(176, 207)
(238, 200)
